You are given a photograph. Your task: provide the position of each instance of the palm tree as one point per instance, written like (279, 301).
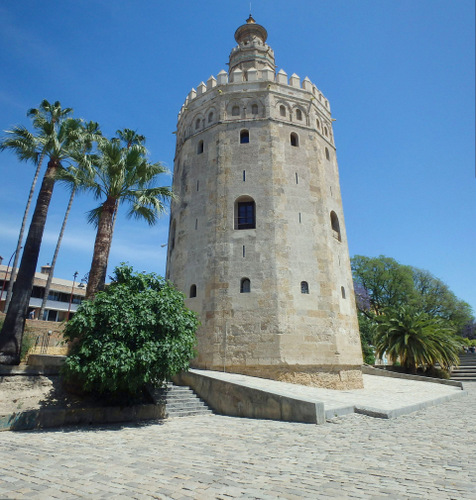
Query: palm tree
(54, 138)
(416, 340)
(86, 136)
(129, 138)
(119, 174)
(23, 142)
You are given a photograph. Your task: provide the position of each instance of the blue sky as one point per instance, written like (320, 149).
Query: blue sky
(399, 74)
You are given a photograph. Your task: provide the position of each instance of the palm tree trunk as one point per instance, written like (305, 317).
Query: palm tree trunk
(20, 236)
(102, 244)
(12, 331)
(55, 256)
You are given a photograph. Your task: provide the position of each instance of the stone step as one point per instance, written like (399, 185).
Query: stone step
(188, 413)
(180, 401)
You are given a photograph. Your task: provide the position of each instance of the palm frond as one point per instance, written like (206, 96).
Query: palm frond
(94, 215)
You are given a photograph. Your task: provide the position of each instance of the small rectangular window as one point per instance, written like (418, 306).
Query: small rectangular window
(244, 175)
(243, 251)
(297, 178)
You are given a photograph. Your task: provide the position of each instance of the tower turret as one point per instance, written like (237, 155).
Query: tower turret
(257, 238)
(252, 50)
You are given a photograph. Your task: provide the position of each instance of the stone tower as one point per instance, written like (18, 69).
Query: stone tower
(257, 240)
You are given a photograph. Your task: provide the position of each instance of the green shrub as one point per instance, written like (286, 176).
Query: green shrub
(136, 332)
(27, 343)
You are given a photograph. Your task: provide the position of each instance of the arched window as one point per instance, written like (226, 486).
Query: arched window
(193, 291)
(245, 216)
(210, 117)
(335, 226)
(318, 124)
(235, 111)
(197, 123)
(254, 109)
(304, 287)
(245, 285)
(328, 156)
(282, 110)
(244, 137)
(298, 114)
(326, 133)
(200, 147)
(294, 139)
(342, 291)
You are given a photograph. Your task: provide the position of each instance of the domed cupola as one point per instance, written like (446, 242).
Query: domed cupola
(252, 50)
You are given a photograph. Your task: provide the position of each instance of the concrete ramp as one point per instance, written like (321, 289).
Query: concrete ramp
(240, 398)
(253, 397)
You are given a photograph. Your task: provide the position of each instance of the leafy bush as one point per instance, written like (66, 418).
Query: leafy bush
(136, 332)
(367, 331)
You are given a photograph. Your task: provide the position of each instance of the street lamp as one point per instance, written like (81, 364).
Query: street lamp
(6, 273)
(75, 275)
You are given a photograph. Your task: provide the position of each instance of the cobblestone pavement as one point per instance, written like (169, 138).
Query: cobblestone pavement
(430, 454)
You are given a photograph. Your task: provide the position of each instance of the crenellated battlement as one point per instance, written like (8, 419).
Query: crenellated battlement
(254, 94)
(228, 83)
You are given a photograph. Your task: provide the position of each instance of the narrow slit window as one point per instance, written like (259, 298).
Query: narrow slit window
(245, 285)
(318, 124)
(304, 287)
(196, 224)
(326, 133)
(172, 236)
(300, 218)
(244, 251)
(193, 291)
(198, 185)
(294, 140)
(197, 123)
(244, 137)
(200, 147)
(328, 156)
(244, 175)
(297, 178)
(342, 291)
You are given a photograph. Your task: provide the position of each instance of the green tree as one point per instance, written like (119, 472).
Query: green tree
(55, 140)
(135, 332)
(384, 282)
(436, 299)
(416, 339)
(119, 174)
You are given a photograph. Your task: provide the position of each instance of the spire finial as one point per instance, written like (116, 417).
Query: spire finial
(250, 20)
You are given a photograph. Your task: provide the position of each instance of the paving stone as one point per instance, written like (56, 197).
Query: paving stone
(428, 454)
